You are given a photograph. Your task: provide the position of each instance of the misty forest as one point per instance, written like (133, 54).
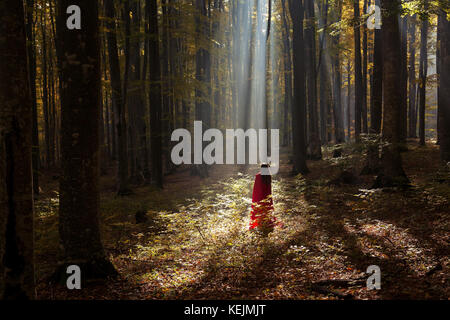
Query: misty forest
(92, 90)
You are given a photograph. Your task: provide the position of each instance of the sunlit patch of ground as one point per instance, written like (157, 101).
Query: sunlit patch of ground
(196, 243)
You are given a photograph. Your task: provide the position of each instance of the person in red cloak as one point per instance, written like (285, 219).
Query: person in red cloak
(261, 217)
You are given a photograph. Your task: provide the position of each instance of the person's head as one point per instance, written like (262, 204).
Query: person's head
(265, 173)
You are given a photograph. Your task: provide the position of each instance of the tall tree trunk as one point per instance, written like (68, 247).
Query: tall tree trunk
(444, 87)
(357, 69)
(438, 72)
(423, 66)
(16, 193)
(155, 98)
(45, 95)
(102, 139)
(376, 98)
(287, 75)
(166, 86)
(404, 81)
(337, 81)
(118, 102)
(80, 105)
(32, 75)
(136, 105)
(324, 78)
(412, 78)
(311, 81)
(392, 173)
(131, 115)
(298, 107)
(364, 74)
(372, 162)
(349, 91)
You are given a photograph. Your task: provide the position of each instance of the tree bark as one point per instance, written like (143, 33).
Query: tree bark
(423, 68)
(412, 78)
(45, 95)
(16, 193)
(364, 74)
(118, 102)
(358, 70)
(392, 173)
(404, 81)
(287, 75)
(32, 75)
(337, 81)
(136, 105)
(298, 107)
(79, 226)
(376, 98)
(155, 98)
(444, 87)
(349, 91)
(314, 143)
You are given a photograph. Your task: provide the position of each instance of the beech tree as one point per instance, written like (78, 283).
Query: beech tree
(392, 173)
(79, 228)
(155, 96)
(118, 99)
(357, 69)
(444, 86)
(298, 107)
(16, 193)
(423, 68)
(311, 78)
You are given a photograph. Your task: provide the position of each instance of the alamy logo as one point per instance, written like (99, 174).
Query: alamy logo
(74, 21)
(374, 20)
(213, 153)
(374, 280)
(74, 280)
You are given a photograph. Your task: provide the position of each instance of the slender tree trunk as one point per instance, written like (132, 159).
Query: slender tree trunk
(412, 78)
(423, 76)
(155, 98)
(438, 73)
(324, 79)
(165, 76)
(364, 74)
(16, 193)
(358, 70)
(298, 108)
(311, 80)
(337, 81)
(287, 75)
(106, 103)
(118, 102)
(32, 75)
(45, 96)
(102, 139)
(376, 98)
(372, 162)
(404, 81)
(136, 105)
(349, 91)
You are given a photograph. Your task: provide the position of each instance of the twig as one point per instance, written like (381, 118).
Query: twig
(340, 282)
(201, 234)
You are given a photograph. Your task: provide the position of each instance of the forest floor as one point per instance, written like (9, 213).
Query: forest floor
(196, 243)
